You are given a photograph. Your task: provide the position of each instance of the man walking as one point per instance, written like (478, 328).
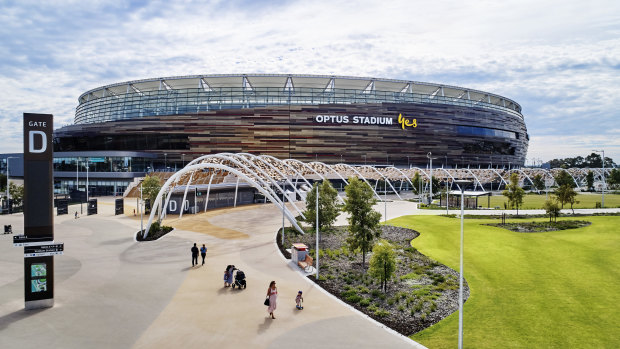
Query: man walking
(194, 255)
(203, 253)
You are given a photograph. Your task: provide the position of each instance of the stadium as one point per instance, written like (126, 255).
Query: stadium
(324, 118)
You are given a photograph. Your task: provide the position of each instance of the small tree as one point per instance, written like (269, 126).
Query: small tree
(590, 180)
(417, 183)
(383, 262)
(573, 201)
(328, 208)
(514, 192)
(17, 194)
(2, 182)
(564, 178)
(150, 188)
(552, 209)
(539, 183)
(565, 194)
(364, 225)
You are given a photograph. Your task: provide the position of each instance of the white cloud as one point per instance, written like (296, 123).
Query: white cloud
(558, 59)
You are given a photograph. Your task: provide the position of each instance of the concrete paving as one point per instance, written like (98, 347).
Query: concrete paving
(114, 292)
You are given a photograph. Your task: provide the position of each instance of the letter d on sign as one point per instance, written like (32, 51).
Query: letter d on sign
(31, 147)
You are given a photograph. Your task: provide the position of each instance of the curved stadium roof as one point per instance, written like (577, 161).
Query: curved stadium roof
(196, 93)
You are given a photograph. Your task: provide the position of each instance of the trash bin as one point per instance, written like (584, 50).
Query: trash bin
(298, 252)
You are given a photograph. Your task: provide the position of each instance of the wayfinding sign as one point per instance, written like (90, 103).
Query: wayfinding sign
(23, 240)
(44, 250)
(38, 211)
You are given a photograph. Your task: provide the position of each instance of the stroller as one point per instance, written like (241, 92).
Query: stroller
(239, 279)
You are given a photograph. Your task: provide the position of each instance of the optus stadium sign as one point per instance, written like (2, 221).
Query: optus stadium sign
(365, 120)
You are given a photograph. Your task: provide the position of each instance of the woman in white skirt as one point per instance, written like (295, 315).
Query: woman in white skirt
(272, 293)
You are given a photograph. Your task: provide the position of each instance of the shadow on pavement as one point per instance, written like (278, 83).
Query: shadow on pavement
(16, 316)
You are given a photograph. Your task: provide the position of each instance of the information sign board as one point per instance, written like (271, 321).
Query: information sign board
(44, 250)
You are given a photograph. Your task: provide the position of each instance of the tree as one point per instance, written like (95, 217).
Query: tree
(364, 225)
(590, 180)
(552, 209)
(328, 209)
(539, 183)
(150, 188)
(572, 201)
(565, 194)
(17, 194)
(417, 183)
(514, 192)
(614, 178)
(2, 182)
(564, 178)
(383, 262)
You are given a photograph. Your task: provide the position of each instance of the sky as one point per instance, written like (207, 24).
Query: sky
(560, 60)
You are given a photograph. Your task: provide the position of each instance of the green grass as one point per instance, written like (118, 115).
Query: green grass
(537, 201)
(557, 289)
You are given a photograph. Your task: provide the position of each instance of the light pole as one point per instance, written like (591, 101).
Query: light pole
(141, 208)
(7, 177)
(283, 218)
(408, 166)
(183, 160)
(340, 158)
(317, 231)
(165, 160)
(603, 177)
(462, 184)
(429, 155)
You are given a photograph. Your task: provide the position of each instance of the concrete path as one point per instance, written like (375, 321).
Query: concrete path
(114, 292)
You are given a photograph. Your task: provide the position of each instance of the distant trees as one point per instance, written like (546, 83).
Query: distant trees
(17, 193)
(614, 179)
(383, 262)
(514, 192)
(328, 208)
(593, 160)
(150, 188)
(565, 194)
(564, 178)
(590, 180)
(419, 182)
(363, 220)
(539, 183)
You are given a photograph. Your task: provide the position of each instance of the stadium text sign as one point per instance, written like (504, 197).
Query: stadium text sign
(365, 120)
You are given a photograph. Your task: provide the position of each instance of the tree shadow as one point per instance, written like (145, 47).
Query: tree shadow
(17, 316)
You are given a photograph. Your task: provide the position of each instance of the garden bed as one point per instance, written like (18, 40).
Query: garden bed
(155, 232)
(422, 293)
(541, 227)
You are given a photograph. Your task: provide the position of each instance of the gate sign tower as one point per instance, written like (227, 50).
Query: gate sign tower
(38, 209)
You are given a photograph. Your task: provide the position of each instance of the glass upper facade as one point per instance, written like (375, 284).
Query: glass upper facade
(193, 94)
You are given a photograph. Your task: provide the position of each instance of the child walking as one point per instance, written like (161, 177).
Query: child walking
(299, 300)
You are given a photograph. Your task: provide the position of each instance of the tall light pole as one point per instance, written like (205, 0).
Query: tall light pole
(462, 184)
(141, 208)
(165, 160)
(283, 218)
(603, 186)
(429, 155)
(7, 177)
(183, 160)
(408, 166)
(87, 166)
(317, 231)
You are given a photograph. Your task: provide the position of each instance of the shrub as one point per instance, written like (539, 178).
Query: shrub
(375, 293)
(401, 308)
(354, 298)
(365, 302)
(381, 312)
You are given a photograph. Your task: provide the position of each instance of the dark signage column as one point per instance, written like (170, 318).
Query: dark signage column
(38, 208)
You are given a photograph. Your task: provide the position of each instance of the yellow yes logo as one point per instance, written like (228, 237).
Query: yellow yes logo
(406, 122)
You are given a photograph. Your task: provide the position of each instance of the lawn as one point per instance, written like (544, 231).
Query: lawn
(528, 290)
(537, 201)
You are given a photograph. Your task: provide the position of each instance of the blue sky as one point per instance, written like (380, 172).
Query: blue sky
(559, 59)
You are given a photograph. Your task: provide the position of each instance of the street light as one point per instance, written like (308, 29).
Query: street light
(183, 160)
(462, 184)
(408, 161)
(603, 176)
(165, 160)
(429, 155)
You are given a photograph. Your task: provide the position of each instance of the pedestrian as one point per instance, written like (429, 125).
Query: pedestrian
(203, 253)
(75, 214)
(228, 275)
(134, 211)
(194, 255)
(299, 301)
(272, 293)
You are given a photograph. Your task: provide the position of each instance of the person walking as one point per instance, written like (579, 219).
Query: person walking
(194, 255)
(272, 293)
(203, 253)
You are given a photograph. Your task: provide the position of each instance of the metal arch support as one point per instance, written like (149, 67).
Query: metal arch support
(185, 196)
(402, 174)
(571, 176)
(234, 171)
(476, 177)
(384, 177)
(233, 160)
(500, 177)
(240, 156)
(275, 169)
(526, 176)
(421, 170)
(450, 174)
(312, 170)
(287, 166)
(332, 169)
(363, 178)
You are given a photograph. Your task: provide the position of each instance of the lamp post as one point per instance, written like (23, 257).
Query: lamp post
(87, 166)
(141, 208)
(462, 184)
(317, 231)
(429, 155)
(183, 160)
(282, 218)
(408, 166)
(7, 177)
(603, 177)
(165, 160)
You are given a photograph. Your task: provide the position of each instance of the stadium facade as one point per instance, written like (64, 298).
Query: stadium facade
(331, 119)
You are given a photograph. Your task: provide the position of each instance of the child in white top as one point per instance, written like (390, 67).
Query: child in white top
(299, 299)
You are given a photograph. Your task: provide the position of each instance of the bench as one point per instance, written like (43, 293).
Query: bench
(306, 263)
